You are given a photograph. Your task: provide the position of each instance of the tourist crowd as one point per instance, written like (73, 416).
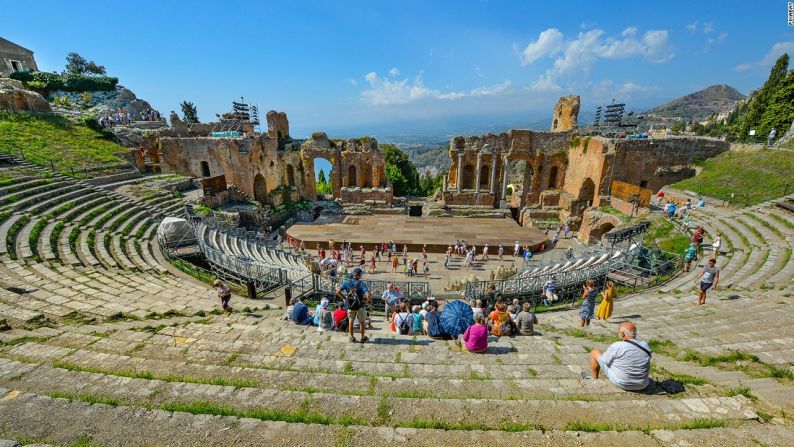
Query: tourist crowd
(120, 117)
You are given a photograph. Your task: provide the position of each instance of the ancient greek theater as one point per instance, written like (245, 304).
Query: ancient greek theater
(572, 250)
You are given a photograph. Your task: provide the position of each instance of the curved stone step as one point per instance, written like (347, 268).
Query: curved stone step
(65, 253)
(5, 228)
(101, 251)
(45, 248)
(135, 256)
(118, 255)
(84, 253)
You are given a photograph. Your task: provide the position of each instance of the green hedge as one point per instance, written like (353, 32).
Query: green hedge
(40, 80)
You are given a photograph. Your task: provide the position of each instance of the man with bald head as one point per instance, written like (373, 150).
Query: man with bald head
(625, 363)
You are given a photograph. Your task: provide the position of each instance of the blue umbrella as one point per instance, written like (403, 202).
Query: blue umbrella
(456, 317)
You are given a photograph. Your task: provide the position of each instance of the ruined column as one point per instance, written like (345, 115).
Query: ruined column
(493, 172)
(479, 165)
(444, 184)
(459, 184)
(506, 168)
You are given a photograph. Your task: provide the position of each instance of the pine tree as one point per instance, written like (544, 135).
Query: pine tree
(761, 100)
(321, 177)
(189, 112)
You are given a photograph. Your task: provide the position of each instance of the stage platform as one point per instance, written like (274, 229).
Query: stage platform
(434, 232)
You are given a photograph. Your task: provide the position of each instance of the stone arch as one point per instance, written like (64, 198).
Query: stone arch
(587, 190)
(554, 126)
(260, 189)
(553, 177)
(468, 177)
(601, 230)
(351, 176)
(290, 175)
(205, 169)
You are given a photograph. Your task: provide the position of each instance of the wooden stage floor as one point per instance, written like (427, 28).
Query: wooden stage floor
(434, 232)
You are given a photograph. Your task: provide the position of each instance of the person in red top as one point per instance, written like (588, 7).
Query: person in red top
(660, 197)
(339, 315)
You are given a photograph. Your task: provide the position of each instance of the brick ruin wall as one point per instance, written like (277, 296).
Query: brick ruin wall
(274, 171)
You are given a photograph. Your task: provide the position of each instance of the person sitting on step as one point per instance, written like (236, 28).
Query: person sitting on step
(625, 363)
(300, 314)
(475, 339)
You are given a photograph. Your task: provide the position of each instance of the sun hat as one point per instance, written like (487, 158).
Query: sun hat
(217, 282)
(324, 303)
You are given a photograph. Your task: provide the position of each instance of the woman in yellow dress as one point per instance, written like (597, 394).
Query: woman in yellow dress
(605, 308)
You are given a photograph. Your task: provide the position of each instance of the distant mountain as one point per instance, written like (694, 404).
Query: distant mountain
(697, 106)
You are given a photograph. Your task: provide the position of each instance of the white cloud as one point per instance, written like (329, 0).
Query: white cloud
(394, 72)
(545, 83)
(708, 27)
(607, 90)
(383, 91)
(580, 53)
(692, 27)
(549, 43)
(352, 82)
(769, 58)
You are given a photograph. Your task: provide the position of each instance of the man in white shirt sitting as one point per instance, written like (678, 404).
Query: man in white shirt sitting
(625, 363)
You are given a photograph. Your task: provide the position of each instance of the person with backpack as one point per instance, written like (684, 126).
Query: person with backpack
(690, 255)
(356, 296)
(325, 318)
(403, 321)
(500, 321)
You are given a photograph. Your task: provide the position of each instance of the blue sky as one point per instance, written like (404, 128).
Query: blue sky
(350, 66)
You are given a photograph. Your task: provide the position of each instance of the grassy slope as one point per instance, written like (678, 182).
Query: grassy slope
(44, 137)
(756, 176)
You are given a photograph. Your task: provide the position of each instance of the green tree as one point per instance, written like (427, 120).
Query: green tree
(408, 180)
(762, 99)
(321, 177)
(189, 112)
(78, 65)
(397, 179)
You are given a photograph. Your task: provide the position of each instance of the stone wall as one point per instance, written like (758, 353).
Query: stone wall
(9, 51)
(654, 163)
(355, 194)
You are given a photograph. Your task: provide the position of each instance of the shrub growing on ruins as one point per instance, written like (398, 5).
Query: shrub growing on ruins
(189, 112)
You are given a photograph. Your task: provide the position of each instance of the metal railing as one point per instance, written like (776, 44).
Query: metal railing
(252, 258)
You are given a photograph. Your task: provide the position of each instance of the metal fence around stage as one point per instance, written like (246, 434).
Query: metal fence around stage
(278, 267)
(243, 270)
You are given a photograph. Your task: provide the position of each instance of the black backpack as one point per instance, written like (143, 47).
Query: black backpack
(404, 326)
(353, 299)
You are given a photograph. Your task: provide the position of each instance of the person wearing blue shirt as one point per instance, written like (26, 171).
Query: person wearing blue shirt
(433, 323)
(300, 314)
(356, 303)
(390, 298)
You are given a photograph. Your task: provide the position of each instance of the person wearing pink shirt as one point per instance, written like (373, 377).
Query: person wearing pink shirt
(475, 339)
